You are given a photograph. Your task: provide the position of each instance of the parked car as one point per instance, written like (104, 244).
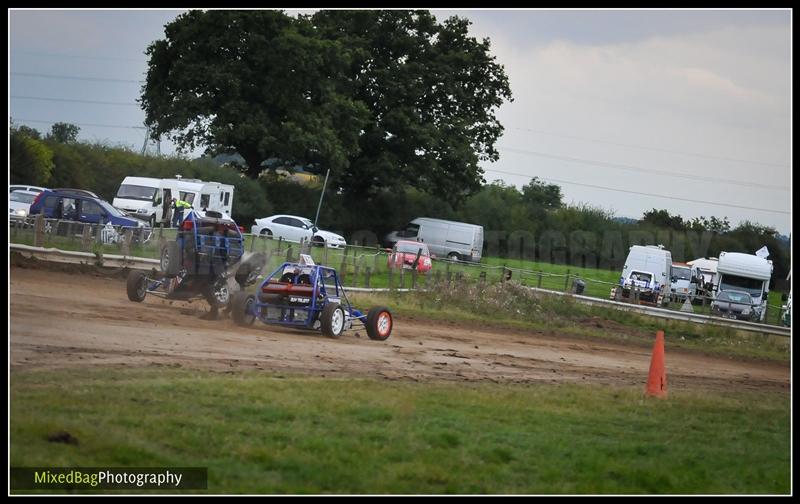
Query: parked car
(35, 189)
(294, 228)
(19, 204)
(75, 205)
(458, 241)
(404, 255)
(735, 304)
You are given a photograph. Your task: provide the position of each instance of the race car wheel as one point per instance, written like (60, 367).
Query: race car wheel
(379, 323)
(171, 259)
(250, 269)
(332, 320)
(219, 294)
(243, 304)
(137, 286)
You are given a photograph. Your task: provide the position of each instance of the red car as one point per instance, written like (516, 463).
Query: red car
(405, 253)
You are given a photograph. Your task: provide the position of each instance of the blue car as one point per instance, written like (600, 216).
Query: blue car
(304, 295)
(208, 250)
(79, 206)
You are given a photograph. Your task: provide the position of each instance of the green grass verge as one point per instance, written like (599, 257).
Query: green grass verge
(353, 263)
(509, 305)
(261, 433)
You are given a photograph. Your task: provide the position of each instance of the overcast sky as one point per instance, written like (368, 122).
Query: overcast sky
(688, 107)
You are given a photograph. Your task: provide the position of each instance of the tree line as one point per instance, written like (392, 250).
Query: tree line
(531, 222)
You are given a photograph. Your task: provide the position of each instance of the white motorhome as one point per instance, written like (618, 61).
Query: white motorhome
(746, 273)
(454, 240)
(145, 197)
(647, 271)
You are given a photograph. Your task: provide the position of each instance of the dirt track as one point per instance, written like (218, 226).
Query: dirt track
(63, 320)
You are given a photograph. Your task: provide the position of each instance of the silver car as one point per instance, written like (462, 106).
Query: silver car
(736, 305)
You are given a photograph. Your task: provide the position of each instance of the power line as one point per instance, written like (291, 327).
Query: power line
(88, 125)
(72, 100)
(637, 169)
(659, 149)
(73, 77)
(726, 205)
(78, 56)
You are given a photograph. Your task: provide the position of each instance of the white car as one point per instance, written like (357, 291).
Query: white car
(19, 203)
(294, 228)
(35, 189)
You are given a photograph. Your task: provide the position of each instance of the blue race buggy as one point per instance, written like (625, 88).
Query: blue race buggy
(197, 264)
(308, 296)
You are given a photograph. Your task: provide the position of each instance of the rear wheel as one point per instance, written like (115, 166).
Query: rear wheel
(379, 323)
(266, 232)
(243, 308)
(453, 256)
(137, 286)
(318, 241)
(332, 320)
(171, 259)
(218, 294)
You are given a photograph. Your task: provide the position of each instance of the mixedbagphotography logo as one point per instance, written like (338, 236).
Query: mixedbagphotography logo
(98, 478)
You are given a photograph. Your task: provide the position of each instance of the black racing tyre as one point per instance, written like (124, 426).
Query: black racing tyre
(137, 286)
(242, 306)
(332, 320)
(171, 259)
(217, 293)
(379, 323)
(250, 269)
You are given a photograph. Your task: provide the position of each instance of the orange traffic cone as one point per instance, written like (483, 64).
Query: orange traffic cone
(657, 380)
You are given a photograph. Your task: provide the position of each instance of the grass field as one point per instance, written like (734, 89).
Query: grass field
(267, 433)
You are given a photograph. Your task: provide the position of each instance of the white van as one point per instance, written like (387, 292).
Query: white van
(684, 281)
(708, 268)
(647, 270)
(144, 197)
(745, 273)
(458, 241)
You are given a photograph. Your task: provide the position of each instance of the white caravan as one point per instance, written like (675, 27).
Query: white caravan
(747, 273)
(708, 268)
(145, 197)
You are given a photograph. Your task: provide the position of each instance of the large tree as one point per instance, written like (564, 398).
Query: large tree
(259, 83)
(385, 99)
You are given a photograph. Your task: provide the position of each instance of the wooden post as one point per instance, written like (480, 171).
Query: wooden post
(280, 242)
(402, 278)
(126, 242)
(325, 255)
(355, 274)
(288, 253)
(449, 275)
(38, 231)
(86, 239)
(437, 278)
(414, 279)
(366, 277)
(343, 272)
(482, 279)
(539, 281)
(99, 237)
(566, 281)
(390, 276)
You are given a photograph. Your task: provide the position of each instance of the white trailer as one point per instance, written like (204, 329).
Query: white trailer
(148, 198)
